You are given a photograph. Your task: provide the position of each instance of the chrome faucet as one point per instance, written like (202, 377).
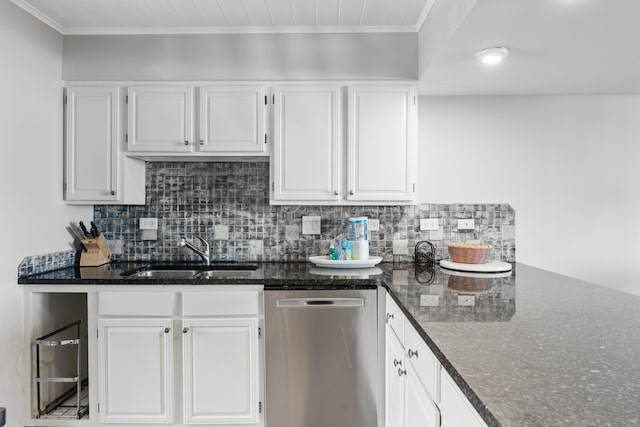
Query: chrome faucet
(202, 253)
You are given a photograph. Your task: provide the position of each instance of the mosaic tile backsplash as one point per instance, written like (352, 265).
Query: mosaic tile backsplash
(43, 263)
(228, 205)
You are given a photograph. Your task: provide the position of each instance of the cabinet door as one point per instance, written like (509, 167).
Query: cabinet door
(160, 118)
(135, 370)
(220, 358)
(395, 377)
(381, 143)
(91, 143)
(232, 119)
(455, 408)
(306, 162)
(420, 409)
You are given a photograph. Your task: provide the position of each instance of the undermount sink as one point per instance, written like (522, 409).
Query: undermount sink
(197, 272)
(224, 273)
(165, 273)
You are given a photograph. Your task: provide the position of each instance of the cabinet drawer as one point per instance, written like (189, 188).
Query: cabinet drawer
(394, 317)
(135, 303)
(423, 359)
(455, 409)
(221, 303)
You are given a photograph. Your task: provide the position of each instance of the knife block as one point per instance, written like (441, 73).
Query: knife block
(96, 252)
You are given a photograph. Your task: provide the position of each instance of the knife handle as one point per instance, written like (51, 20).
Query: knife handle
(84, 229)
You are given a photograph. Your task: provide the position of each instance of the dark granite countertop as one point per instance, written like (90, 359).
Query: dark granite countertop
(534, 348)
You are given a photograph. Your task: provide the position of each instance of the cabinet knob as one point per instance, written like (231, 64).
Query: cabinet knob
(113, 193)
(335, 193)
(186, 143)
(185, 330)
(412, 353)
(167, 330)
(397, 362)
(401, 372)
(202, 142)
(351, 192)
(389, 316)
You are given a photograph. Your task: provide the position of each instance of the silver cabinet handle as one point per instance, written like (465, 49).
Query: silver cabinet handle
(389, 316)
(412, 353)
(113, 193)
(335, 193)
(401, 372)
(186, 143)
(185, 330)
(201, 142)
(397, 362)
(167, 330)
(320, 302)
(351, 192)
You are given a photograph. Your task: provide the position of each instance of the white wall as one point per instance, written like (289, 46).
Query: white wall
(33, 215)
(567, 164)
(241, 56)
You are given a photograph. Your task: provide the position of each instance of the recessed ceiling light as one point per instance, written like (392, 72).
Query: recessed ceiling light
(492, 55)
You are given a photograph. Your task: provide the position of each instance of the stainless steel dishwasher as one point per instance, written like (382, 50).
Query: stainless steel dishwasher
(321, 358)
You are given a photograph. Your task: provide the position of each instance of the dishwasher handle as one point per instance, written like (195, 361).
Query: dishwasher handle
(320, 302)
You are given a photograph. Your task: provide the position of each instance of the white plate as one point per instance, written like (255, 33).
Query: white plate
(325, 262)
(357, 273)
(487, 267)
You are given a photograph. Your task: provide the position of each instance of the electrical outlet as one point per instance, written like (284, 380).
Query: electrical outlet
(427, 300)
(428, 224)
(466, 300)
(400, 247)
(466, 224)
(148, 223)
(374, 224)
(311, 224)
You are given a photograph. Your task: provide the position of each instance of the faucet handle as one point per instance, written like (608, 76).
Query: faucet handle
(204, 243)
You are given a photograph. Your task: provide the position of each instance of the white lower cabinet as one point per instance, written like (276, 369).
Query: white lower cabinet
(407, 401)
(456, 409)
(220, 367)
(395, 380)
(420, 411)
(143, 378)
(136, 370)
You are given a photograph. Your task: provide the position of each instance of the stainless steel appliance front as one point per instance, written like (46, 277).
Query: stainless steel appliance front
(321, 358)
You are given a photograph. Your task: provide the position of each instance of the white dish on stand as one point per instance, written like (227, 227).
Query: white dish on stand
(325, 262)
(487, 267)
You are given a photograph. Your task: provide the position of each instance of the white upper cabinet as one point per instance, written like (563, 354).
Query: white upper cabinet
(160, 118)
(306, 163)
(96, 170)
(91, 143)
(381, 140)
(232, 118)
(229, 119)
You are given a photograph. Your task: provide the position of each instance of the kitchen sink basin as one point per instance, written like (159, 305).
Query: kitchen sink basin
(208, 274)
(178, 274)
(195, 272)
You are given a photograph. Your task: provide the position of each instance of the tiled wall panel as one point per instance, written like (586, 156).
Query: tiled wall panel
(228, 205)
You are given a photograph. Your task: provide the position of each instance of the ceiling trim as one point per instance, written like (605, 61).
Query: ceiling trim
(36, 13)
(423, 15)
(224, 30)
(231, 30)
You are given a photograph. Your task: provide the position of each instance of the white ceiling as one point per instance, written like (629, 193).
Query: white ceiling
(228, 16)
(556, 47)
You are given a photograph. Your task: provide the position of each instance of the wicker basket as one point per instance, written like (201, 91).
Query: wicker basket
(469, 253)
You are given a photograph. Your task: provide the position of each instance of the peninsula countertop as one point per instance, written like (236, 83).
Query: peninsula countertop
(532, 348)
